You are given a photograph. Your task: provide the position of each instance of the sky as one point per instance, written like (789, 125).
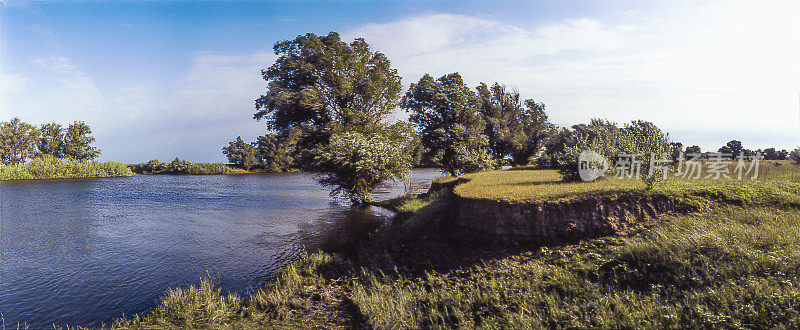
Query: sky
(166, 79)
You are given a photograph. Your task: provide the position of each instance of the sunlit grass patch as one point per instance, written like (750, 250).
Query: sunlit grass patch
(537, 185)
(192, 307)
(291, 300)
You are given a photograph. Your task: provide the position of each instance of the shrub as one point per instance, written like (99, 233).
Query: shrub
(50, 167)
(241, 153)
(647, 139)
(601, 136)
(605, 138)
(354, 164)
(795, 156)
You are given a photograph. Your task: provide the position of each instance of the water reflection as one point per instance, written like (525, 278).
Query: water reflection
(86, 251)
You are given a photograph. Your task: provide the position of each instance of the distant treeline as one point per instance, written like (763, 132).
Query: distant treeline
(50, 151)
(21, 142)
(179, 166)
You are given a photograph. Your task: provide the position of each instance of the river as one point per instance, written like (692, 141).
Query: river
(83, 252)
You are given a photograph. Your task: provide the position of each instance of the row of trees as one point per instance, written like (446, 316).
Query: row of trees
(735, 149)
(328, 105)
(271, 152)
(179, 166)
(21, 142)
(462, 130)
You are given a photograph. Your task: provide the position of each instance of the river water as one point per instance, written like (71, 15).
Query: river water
(83, 252)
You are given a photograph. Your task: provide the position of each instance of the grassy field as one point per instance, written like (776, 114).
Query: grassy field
(524, 186)
(735, 264)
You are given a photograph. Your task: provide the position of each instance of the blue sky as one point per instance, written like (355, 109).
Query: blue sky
(178, 78)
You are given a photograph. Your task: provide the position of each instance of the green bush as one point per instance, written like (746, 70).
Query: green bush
(354, 164)
(795, 156)
(646, 138)
(601, 136)
(50, 167)
(605, 138)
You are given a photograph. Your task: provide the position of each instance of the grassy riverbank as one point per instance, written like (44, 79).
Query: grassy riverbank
(53, 168)
(734, 263)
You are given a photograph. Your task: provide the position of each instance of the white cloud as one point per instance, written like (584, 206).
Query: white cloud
(13, 83)
(211, 104)
(708, 73)
(420, 43)
(208, 105)
(54, 89)
(224, 84)
(726, 68)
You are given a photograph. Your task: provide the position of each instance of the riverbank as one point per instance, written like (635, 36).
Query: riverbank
(47, 169)
(731, 262)
(72, 169)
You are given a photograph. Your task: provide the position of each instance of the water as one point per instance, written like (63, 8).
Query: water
(84, 252)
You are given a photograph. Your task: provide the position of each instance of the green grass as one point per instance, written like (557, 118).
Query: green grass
(538, 185)
(728, 268)
(300, 295)
(734, 264)
(52, 168)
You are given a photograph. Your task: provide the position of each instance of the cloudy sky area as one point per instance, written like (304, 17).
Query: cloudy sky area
(166, 79)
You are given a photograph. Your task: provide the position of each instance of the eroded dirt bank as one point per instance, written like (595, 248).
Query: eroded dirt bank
(556, 221)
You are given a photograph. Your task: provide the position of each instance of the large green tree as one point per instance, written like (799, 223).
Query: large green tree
(241, 153)
(277, 152)
(51, 140)
(599, 135)
(693, 150)
(18, 141)
(324, 85)
(452, 128)
(500, 109)
(322, 88)
(646, 138)
(535, 129)
(78, 142)
(795, 156)
(514, 127)
(735, 147)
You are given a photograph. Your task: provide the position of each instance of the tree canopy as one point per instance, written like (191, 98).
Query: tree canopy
(51, 140)
(324, 85)
(326, 97)
(21, 142)
(451, 127)
(78, 140)
(241, 153)
(18, 141)
(356, 163)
